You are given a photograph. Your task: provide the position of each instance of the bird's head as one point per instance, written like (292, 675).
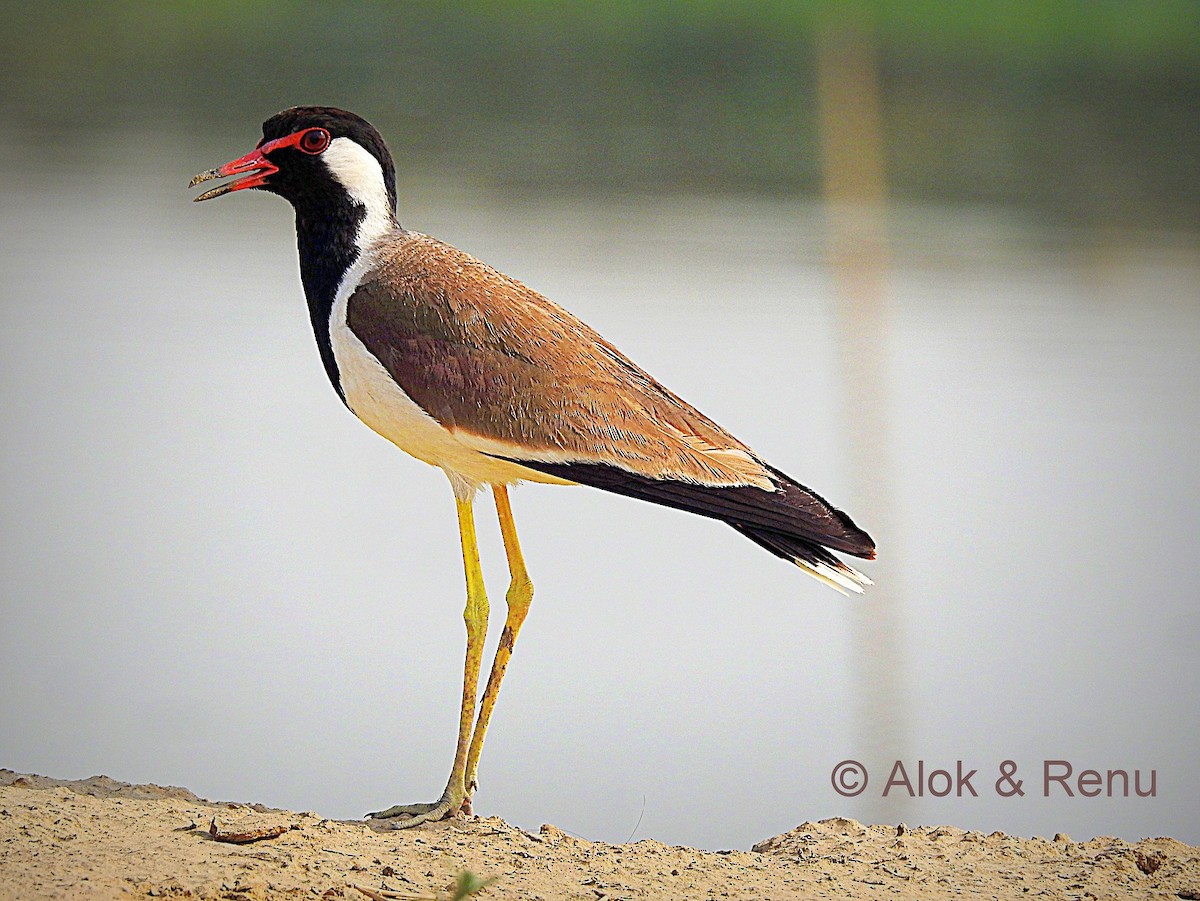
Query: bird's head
(314, 156)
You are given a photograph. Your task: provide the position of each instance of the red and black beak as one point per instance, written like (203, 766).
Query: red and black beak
(254, 165)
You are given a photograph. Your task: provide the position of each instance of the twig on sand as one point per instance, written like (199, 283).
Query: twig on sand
(374, 895)
(466, 885)
(389, 896)
(244, 838)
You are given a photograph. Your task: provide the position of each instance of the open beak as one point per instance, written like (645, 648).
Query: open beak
(254, 166)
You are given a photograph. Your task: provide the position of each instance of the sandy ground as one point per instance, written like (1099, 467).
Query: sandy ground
(97, 838)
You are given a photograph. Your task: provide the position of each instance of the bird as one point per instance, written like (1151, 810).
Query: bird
(474, 373)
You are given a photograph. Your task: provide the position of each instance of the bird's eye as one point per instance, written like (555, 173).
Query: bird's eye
(315, 140)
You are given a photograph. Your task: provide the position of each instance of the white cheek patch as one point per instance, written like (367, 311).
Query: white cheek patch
(362, 177)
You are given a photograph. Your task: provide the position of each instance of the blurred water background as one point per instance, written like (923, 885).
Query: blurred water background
(939, 261)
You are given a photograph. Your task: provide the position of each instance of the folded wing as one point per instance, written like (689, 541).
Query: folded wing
(516, 377)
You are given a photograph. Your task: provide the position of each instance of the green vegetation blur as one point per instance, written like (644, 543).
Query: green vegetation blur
(1080, 111)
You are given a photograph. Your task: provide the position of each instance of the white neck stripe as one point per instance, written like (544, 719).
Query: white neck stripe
(362, 177)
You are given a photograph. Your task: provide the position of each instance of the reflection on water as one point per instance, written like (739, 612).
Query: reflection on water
(212, 575)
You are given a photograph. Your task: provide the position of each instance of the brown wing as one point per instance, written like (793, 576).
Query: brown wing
(525, 381)
(489, 358)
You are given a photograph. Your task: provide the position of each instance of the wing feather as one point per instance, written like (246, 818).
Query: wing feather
(516, 377)
(495, 361)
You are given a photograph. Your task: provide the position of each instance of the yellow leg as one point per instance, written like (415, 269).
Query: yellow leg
(520, 595)
(476, 617)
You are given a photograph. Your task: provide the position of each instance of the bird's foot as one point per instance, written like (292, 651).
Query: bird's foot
(408, 815)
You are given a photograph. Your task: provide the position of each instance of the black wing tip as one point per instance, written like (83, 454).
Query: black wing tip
(865, 551)
(818, 561)
(792, 511)
(848, 537)
(859, 543)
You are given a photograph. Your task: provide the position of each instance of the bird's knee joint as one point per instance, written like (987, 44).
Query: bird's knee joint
(520, 592)
(476, 617)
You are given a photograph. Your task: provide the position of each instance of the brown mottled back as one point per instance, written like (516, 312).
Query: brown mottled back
(487, 356)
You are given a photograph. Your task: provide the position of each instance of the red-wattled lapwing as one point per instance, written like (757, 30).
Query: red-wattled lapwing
(471, 371)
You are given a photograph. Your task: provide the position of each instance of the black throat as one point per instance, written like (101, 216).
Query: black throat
(326, 236)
